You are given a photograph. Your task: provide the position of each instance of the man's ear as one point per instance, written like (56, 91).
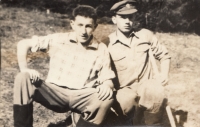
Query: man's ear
(95, 26)
(72, 24)
(114, 19)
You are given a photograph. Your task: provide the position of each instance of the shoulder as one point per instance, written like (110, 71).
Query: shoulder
(145, 34)
(108, 39)
(58, 38)
(59, 35)
(102, 45)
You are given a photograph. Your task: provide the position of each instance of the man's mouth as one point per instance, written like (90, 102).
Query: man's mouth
(84, 36)
(127, 27)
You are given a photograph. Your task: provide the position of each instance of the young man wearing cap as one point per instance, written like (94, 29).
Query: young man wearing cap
(79, 77)
(130, 50)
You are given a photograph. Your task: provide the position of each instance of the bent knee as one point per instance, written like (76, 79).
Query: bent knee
(22, 75)
(107, 104)
(128, 105)
(21, 78)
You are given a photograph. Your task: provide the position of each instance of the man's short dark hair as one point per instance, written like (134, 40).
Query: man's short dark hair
(86, 11)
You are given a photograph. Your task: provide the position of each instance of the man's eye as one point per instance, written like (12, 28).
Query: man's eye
(122, 16)
(89, 26)
(80, 24)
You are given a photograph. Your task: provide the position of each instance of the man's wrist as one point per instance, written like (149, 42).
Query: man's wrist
(24, 69)
(109, 83)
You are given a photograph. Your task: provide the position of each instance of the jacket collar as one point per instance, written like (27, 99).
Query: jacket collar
(92, 44)
(118, 36)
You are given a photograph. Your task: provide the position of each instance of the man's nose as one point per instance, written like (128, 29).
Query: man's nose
(83, 30)
(127, 20)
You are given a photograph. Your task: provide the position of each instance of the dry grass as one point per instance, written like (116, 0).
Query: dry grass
(18, 23)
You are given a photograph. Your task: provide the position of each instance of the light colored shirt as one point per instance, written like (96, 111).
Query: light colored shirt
(130, 55)
(73, 65)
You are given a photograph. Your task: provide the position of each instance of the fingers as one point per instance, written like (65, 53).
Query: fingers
(162, 79)
(105, 92)
(105, 95)
(110, 94)
(101, 93)
(34, 75)
(164, 82)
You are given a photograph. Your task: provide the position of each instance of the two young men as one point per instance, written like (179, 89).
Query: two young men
(131, 52)
(79, 77)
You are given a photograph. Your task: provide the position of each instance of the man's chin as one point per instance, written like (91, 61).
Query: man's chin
(126, 30)
(83, 40)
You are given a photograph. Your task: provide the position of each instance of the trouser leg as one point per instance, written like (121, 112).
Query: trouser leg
(59, 99)
(139, 115)
(125, 106)
(23, 107)
(25, 93)
(86, 102)
(149, 105)
(83, 123)
(152, 97)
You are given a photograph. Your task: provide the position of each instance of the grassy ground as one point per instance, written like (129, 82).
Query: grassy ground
(18, 23)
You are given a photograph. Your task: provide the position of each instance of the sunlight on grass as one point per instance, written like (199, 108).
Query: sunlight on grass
(18, 23)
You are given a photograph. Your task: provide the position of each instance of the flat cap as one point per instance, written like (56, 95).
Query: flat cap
(124, 7)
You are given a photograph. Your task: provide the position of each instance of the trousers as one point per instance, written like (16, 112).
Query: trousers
(136, 101)
(61, 99)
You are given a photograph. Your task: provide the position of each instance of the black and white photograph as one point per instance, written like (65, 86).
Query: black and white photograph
(100, 63)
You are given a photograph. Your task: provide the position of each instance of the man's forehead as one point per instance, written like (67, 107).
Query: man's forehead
(126, 15)
(80, 18)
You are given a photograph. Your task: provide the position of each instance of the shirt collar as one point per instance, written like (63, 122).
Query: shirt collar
(93, 42)
(118, 36)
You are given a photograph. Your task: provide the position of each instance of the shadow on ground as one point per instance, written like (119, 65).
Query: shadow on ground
(66, 123)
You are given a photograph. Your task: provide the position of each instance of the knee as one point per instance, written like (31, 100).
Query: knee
(22, 76)
(128, 105)
(106, 104)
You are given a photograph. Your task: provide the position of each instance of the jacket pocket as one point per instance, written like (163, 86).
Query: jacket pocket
(120, 63)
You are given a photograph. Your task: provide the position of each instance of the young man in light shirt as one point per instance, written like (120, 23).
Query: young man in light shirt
(79, 77)
(137, 93)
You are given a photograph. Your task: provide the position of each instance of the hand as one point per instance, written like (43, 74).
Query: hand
(162, 79)
(34, 75)
(105, 92)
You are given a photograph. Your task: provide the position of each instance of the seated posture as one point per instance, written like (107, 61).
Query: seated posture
(79, 77)
(137, 92)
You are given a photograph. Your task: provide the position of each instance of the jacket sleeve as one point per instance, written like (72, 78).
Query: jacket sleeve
(43, 43)
(160, 51)
(106, 72)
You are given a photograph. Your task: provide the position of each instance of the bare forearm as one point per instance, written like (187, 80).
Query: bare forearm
(165, 64)
(109, 83)
(22, 50)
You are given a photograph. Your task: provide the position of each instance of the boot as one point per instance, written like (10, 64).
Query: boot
(23, 115)
(84, 123)
(139, 115)
(153, 118)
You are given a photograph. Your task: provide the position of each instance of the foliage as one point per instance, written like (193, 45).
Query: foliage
(157, 15)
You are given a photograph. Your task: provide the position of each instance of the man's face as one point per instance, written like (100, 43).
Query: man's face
(83, 27)
(124, 22)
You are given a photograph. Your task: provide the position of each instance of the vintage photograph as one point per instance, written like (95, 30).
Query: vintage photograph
(100, 63)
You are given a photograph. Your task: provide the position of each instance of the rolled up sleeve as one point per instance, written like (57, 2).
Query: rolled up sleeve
(106, 73)
(42, 43)
(160, 51)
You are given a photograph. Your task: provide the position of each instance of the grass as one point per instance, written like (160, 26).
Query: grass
(19, 23)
